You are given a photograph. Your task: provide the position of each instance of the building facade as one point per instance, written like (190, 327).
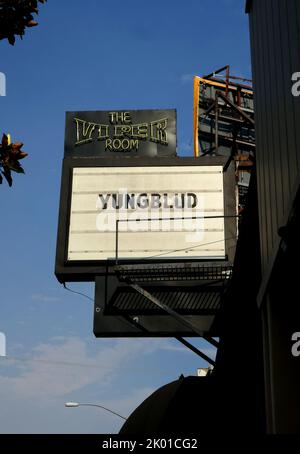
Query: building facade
(275, 53)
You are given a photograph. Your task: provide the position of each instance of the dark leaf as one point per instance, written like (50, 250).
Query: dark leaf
(15, 166)
(4, 140)
(22, 155)
(11, 39)
(32, 23)
(7, 175)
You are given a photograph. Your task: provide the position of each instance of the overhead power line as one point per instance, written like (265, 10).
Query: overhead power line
(79, 364)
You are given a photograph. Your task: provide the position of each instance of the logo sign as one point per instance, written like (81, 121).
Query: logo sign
(2, 344)
(296, 344)
(135, 132)
(2, 84)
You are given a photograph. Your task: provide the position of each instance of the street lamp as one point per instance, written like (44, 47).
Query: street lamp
(76, 404)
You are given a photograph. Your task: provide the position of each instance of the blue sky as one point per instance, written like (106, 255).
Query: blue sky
(89, 56)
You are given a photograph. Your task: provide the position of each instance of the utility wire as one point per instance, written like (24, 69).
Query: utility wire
(179, 218)
(189, 248)
(77, 293)
(75, 364)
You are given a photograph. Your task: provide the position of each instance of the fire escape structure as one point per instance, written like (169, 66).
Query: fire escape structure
(224, 123)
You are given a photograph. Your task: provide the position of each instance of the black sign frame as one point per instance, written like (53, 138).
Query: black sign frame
(130, 133)
(86, 271)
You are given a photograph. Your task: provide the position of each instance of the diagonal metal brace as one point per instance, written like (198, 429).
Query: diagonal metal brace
(179, 339)
(211, 341)
(196, 350)
(165, 308)
(236, 108)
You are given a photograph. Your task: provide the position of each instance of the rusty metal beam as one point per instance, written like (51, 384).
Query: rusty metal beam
(216, 124)
(234, 107)
(216, 72)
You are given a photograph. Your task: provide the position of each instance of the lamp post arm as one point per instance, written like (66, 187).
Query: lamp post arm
(104, 408)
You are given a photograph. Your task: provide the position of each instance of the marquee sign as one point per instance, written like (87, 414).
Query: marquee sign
(134, 133)
(145, 209)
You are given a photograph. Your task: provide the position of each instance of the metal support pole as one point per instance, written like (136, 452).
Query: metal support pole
(216, 123)
(179, 339)
(117, 241)
(227, 80)
(215, 72)
(196, 115)
(195, 350)
(211, 341)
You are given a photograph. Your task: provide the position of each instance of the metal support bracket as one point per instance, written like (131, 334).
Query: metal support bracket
(196, 350)
(182, 341)
(164, 307)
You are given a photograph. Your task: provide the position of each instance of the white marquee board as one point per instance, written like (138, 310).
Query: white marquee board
(101, 196)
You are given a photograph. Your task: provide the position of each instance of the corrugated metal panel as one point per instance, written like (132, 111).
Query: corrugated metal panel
(275, 47)
(191, 301)
(274, 29)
